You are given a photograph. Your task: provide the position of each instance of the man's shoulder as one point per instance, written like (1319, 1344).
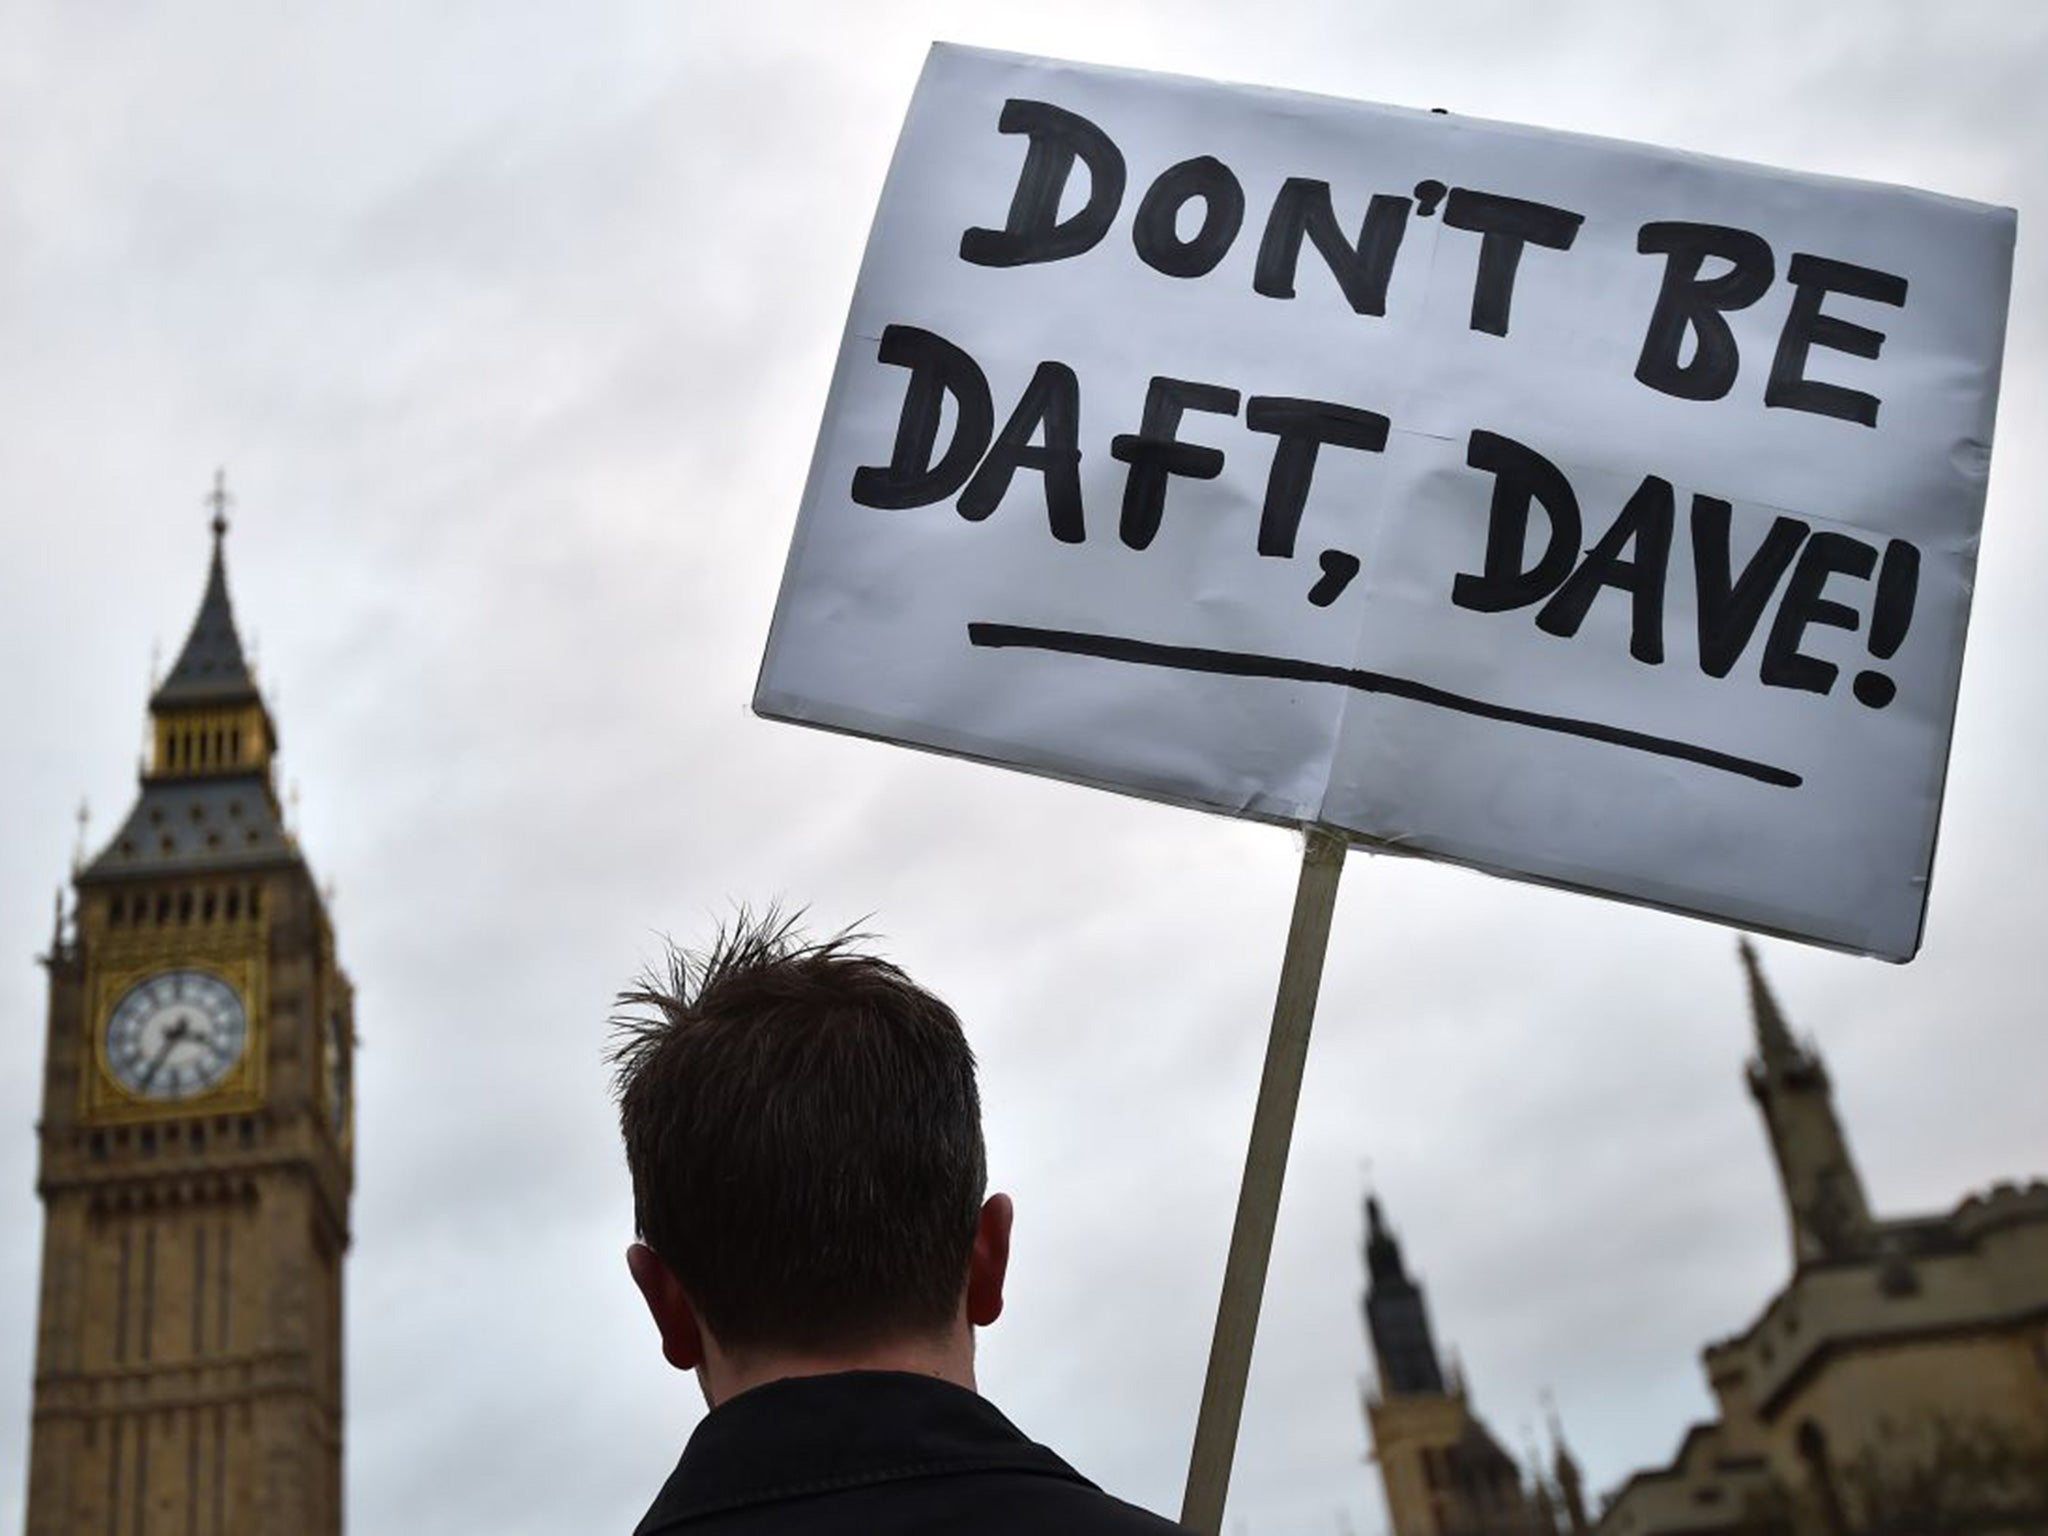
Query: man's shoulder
(995, 1502)
(863, 1452)
(1058, 1505)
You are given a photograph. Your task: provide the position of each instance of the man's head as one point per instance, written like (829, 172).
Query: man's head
(804, 1136)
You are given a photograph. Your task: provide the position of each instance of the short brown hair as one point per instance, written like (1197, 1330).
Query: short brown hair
(804, 1135)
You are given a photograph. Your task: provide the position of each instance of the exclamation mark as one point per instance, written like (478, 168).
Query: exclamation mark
(1898, 584)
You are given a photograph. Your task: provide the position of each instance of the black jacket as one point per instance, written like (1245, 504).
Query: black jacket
(881, 1454)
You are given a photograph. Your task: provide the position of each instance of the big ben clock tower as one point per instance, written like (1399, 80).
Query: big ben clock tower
(196, 1145)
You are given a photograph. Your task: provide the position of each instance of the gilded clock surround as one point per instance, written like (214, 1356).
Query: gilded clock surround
(236, 959)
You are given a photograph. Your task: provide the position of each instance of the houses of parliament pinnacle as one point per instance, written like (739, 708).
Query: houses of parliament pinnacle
(1897, 1385)
(195, 1142)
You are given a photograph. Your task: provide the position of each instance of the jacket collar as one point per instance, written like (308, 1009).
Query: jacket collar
(813, 1434)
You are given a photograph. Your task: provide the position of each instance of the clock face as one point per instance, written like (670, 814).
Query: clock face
(176, 1035)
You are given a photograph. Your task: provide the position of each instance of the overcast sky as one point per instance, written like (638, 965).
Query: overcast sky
(512, 326)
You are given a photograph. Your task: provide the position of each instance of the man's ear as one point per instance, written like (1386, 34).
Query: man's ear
(990, 1260)
(682, 1340)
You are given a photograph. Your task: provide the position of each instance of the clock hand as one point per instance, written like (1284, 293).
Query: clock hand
(178, 1030)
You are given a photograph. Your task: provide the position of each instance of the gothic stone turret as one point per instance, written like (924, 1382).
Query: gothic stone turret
(196, 1145)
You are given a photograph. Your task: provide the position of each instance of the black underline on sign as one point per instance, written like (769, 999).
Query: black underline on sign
(1193, 658)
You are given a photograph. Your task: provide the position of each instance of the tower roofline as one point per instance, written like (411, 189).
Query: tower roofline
(207, 802)
(177, 827)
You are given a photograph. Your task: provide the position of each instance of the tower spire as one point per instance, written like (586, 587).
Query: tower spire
(1397, 1316)
(219, 500)
(1824, 1198)
(1542, 1506)
(1778, 1051)
(1571, 1486)
(211, 668)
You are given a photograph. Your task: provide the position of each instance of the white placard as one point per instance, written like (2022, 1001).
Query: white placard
(1581, 511)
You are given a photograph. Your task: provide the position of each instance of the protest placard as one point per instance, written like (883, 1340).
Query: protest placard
(1581, 511)
(1585, 512)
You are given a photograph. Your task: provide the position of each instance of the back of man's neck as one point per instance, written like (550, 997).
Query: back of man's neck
(723, 1376)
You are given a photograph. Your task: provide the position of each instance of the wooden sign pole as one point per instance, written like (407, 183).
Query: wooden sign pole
(1265, 1168)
